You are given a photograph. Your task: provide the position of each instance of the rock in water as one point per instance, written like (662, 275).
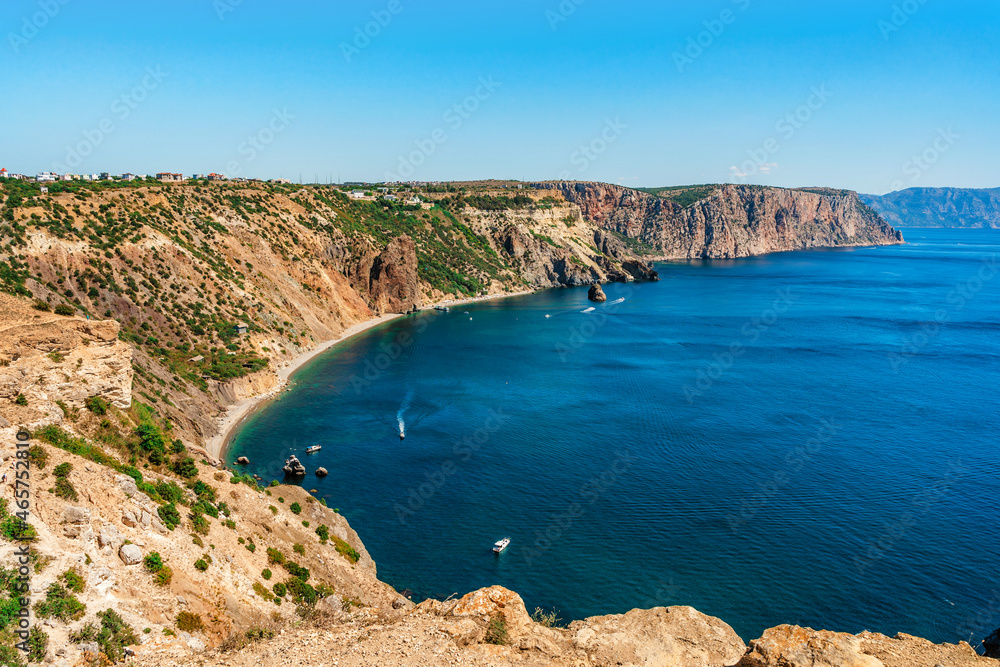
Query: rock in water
(243, 461)
(322, 472)
(597, 294)
(294, 467)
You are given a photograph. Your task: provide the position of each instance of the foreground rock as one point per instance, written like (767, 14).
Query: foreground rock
(596, 294)
(790, 646)
(678, 636)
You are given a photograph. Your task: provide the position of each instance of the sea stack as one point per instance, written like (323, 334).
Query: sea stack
(322, 472)
(294, 467)
(597, 294)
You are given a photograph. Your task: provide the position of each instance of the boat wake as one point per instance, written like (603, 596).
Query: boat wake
(589, 310)
(617, 301)
(402, 410)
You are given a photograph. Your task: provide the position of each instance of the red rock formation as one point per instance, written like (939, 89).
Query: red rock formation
(734, 221)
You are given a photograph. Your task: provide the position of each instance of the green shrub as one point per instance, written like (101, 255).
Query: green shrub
(15, 529)
(323, 532)
(275, 557)
(296, 508)
(42, 305)
(199, 524)
(251, 547)
(114, 636)
(302, 593)
(496, 631)
(38, 456)
(186, 468)
(345, 549)
(169, 515)
(266, 573)
(74, 581)
(97, 405)
(297, 570)
(170, 492)
(260, 590)
(38, 642)
(299, 549)
(274, 510)
(164, 576)
(188, 622)
(153, 562)
(65, 309)
(280, 589)
(59, 603)
(21, 399)
(201, 565)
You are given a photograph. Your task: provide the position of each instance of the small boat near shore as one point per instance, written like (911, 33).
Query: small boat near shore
(313, 449)
(501, 545)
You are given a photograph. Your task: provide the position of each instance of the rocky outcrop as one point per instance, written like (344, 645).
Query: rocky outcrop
(733, 221)
(939, 207)
(678, 636)
(52, 359)
(293, 467)
(791, 646)
(596, 294)
(394, 286)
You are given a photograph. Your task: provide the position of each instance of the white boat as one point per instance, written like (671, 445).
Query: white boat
(589, 310)
(313, 449)
(501, 545)
(617, 301)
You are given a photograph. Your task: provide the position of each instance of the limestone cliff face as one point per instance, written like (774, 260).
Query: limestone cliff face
(558, 247)
(52, 359)
(394, 286)
(734, 221)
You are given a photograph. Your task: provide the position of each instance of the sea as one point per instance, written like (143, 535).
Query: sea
(805, 437)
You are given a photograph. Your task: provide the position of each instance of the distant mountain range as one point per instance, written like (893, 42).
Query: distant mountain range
(939, 207)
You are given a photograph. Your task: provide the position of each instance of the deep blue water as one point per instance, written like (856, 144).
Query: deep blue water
(783, 439)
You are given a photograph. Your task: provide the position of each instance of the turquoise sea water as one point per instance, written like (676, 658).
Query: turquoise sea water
(805, 438)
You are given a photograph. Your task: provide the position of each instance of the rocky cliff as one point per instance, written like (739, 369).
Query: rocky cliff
(939, 207)
(732, 221)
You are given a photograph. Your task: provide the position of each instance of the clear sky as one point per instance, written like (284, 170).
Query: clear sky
(637, 93)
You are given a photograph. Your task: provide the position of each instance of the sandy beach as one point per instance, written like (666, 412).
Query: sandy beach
(238, 412)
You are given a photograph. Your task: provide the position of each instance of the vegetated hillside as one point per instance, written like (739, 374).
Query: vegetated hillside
(682, 195)
(178, 266)
(731, 220)
(939, 207)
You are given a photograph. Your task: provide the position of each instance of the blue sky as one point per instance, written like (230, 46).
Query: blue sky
(639, 93)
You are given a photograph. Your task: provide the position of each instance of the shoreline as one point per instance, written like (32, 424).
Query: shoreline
(238, 412)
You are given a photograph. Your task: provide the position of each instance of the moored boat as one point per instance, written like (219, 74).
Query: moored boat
(501, 545)
(313, 449)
